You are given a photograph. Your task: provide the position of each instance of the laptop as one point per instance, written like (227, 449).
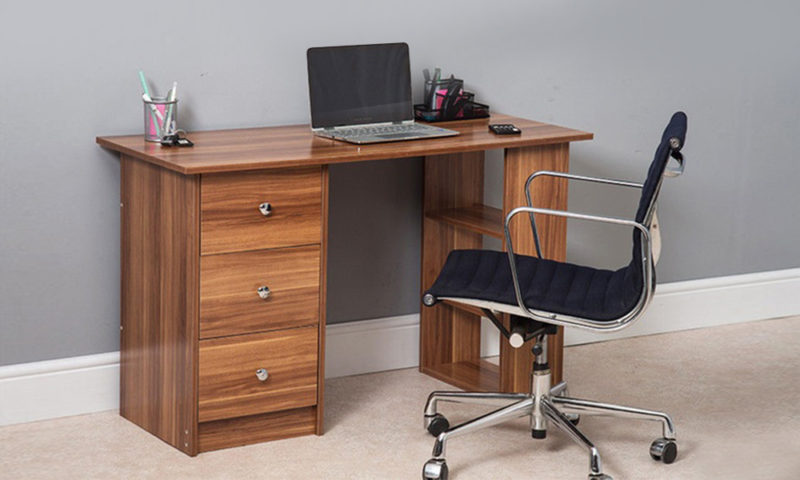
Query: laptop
(362, 94)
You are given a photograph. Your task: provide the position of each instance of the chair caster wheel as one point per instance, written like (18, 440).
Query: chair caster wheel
(438, 424)
(573, 418)
(435, 469)
(599, 476)
(664, 450)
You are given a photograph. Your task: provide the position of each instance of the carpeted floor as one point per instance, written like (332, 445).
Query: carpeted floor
(733, 391)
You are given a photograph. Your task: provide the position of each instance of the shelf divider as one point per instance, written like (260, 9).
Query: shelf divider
(478, 218)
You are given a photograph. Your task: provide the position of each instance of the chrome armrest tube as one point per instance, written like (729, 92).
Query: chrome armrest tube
(567, 320)
(569, 176)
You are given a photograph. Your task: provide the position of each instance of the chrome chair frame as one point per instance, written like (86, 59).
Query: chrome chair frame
(545, 404)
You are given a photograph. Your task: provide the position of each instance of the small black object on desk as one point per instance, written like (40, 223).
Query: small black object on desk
(178, 139)
(504, 129)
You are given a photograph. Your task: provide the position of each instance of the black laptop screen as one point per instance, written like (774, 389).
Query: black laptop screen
(359, 84)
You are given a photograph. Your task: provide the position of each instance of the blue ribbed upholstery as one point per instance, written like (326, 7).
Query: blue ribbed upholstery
(546, 285)
(559, 287)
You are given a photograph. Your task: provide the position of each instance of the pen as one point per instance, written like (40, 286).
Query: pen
(153, 109)
(428, 85)
(171, 96)
(437, 74)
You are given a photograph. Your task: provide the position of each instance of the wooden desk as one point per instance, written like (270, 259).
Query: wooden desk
(196, 248)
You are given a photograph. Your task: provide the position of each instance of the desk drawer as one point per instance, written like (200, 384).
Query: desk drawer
(230, 301)
(232, 220)
(229, 386)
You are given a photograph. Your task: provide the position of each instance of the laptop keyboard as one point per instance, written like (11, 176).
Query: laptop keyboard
(381, 131)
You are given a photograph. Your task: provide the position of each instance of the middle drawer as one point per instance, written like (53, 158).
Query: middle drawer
(257, 291)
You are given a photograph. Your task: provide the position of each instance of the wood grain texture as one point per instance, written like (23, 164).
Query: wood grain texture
(447, 334)
(319, 426)
(231, 221)
(476, 375)
(463, 306)
(295, 145)
(240, 431)
(228, 386)
(547, 192)
(478, 218)
(229, 301)
(162, 252)
(159, 302)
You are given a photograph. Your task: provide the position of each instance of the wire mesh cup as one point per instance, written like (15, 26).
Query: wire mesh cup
(160, 118)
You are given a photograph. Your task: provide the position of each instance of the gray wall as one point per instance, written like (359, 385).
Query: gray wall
(617, 68)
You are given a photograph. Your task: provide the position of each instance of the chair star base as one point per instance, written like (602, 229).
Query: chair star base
(545, 406)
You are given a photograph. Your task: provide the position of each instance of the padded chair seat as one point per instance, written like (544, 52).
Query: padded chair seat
(547, 285)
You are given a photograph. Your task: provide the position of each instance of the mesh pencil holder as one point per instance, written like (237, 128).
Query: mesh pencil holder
(160, 118)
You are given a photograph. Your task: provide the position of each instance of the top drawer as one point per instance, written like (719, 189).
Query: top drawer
(232, 220)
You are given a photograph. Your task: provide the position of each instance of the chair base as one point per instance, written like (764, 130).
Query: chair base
(545, 406)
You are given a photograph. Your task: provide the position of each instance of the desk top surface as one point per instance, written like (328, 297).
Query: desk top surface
(295, 145)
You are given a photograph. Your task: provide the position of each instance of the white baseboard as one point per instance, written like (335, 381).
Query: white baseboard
(367, 346)
(77, 385)
(59, 388)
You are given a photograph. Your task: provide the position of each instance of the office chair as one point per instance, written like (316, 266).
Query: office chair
(541, 294)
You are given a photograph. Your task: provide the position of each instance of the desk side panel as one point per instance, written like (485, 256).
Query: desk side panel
(448, 334)
(515, 364)
(160, 301)
(319, 427)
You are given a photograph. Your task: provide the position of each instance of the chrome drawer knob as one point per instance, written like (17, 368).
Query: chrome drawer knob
(262, 374)
(265, 209)
(263, 292)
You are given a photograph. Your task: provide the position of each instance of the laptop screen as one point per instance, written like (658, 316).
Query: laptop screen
(359, 84)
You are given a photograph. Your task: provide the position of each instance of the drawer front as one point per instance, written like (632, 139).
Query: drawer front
(229, 386)
(230, 300)
(231, 215)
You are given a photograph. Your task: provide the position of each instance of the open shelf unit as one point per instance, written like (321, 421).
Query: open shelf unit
(456, 218)
(474, 374)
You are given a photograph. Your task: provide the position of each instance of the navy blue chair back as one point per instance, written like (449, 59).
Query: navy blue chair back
(672, 141)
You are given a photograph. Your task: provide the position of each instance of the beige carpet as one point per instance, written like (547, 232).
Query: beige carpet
(733, 392)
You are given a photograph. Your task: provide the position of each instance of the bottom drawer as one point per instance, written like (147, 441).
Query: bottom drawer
(230, 385)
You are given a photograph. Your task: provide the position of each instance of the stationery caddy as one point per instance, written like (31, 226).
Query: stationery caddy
(447, 100)
(469, 110)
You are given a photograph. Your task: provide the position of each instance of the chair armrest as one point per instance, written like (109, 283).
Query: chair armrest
(571, 176)
(576, 215)
(568, 176)
(646, 249)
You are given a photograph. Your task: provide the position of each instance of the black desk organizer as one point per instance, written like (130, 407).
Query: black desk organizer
(446, 100)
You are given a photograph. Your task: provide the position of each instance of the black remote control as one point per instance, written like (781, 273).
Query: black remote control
(504, 129)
